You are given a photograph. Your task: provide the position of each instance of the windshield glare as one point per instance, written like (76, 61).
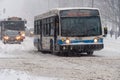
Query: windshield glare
(81, 26)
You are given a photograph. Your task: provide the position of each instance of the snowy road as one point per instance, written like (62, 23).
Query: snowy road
(23, 62)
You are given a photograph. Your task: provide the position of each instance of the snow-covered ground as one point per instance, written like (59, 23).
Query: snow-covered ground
(13, 50)
(18, 51)
(8, 74)
(111, 47)
(23, 62)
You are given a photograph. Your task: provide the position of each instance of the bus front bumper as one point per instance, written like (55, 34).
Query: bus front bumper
(81, 48)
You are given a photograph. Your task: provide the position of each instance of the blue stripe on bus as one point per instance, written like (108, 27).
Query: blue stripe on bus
(80, 41)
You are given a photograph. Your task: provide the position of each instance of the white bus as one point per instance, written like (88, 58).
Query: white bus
(65, 30)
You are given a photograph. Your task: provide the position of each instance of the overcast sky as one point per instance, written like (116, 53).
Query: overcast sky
(27, 9)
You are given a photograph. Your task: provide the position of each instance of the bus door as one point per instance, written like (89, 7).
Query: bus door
(45, 34)
(56, 31)
(53, 33)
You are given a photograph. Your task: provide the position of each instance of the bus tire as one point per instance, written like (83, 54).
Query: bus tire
(90, 53)
(4, 42)
(60, 53)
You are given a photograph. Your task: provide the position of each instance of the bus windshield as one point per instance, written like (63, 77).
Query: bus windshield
(80, 26)
(14, 25)
(11, 32)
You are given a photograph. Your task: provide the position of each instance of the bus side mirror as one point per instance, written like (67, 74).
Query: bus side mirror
(105, 32)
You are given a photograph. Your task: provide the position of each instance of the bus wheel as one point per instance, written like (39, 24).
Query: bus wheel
(60, 53)
(90, 53)
(4, 42)
(65, 54)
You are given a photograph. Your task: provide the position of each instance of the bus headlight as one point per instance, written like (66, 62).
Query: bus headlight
(67, 41)
(95, 40)
(31, 32)
(6, 37)
(23, 34)
(18, 37)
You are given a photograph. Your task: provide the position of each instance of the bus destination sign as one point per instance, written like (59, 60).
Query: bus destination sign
(78, 13)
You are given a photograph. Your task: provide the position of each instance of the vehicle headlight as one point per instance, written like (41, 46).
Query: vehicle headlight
(22, 34)
(31, 32)
(6, 37)
(18, 37)
(95, 40)
(67, 41)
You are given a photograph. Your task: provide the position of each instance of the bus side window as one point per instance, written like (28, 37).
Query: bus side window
(52, 29)
(35, 27)
(47, 27)
(43, 30)
(51, 26)
(57, 25)
(57, 28)
(43, 27)
(38, 27)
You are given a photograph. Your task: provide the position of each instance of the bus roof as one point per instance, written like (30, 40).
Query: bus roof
(56, 11)
(68, 8)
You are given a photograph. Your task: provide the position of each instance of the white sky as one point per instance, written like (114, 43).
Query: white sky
(13, 7)
(26, 9)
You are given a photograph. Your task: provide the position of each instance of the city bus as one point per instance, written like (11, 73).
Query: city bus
(66, 30)
(13, 23)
